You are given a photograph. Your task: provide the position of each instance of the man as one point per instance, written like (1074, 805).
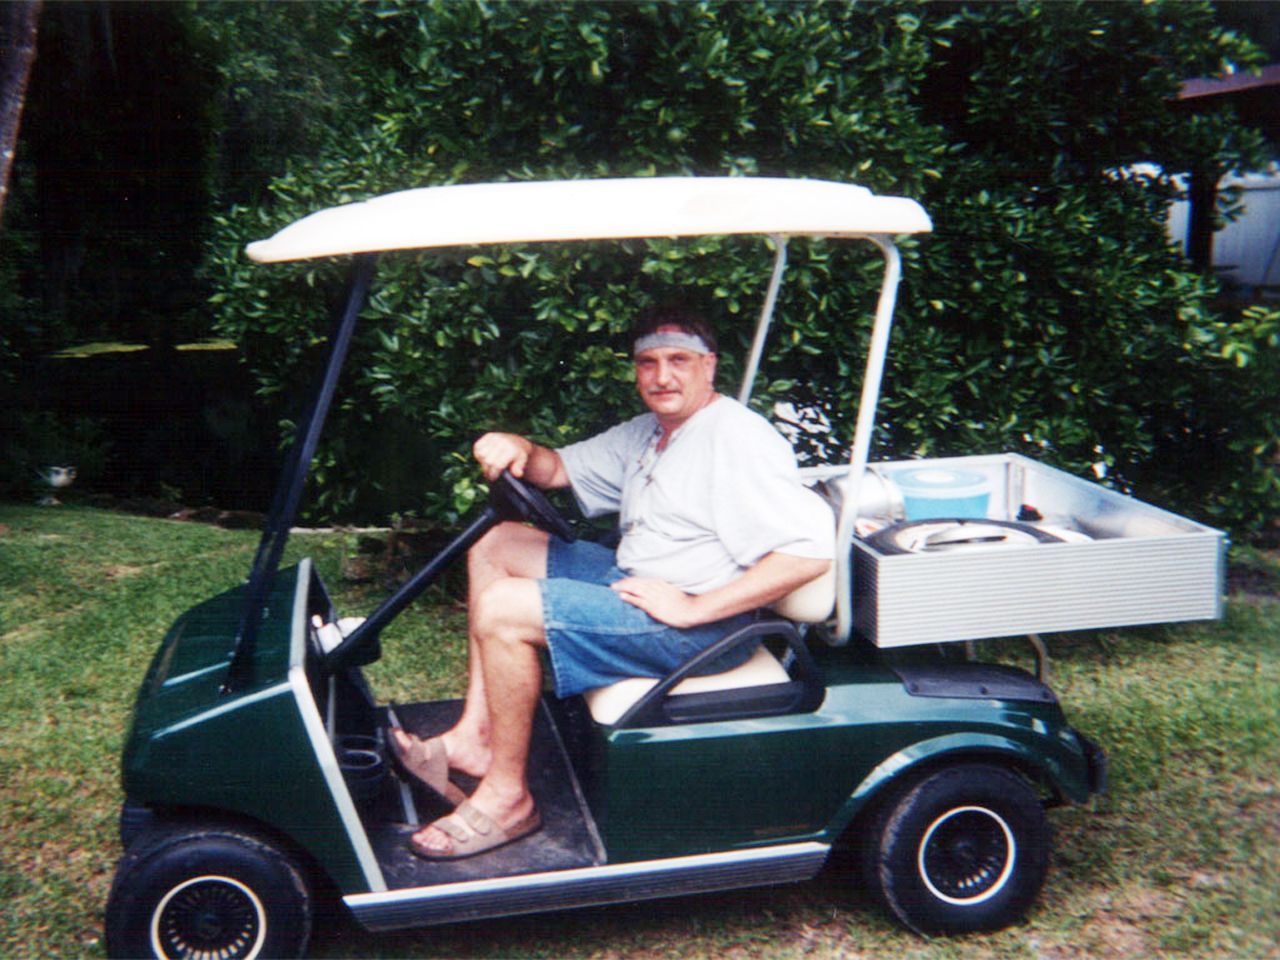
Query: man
(715, 524)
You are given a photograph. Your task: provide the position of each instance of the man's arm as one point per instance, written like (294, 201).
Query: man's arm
(771, 579)
(526, 460)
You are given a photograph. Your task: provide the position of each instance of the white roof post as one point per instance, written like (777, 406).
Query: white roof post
(876, 352)
(766, 318)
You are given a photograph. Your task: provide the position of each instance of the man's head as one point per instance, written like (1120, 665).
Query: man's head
(675, 357)
(679, 316)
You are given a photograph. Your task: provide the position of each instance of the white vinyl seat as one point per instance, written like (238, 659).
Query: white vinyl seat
(608, 704)
(810, 603)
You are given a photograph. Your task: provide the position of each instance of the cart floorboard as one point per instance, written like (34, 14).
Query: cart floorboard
(568, 837)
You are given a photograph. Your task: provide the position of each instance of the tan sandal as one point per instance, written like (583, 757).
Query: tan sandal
(473, 831)
(426, 761)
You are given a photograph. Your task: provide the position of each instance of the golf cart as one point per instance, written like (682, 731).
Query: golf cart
(256, 771)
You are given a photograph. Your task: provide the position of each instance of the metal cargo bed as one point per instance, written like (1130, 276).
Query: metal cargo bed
(1125, 563)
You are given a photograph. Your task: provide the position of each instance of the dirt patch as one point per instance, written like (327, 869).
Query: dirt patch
(1117, 925)
(119, 571)
(161, 508)
(1259, 806)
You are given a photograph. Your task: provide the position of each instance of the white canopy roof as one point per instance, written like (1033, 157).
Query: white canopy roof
(517, 212)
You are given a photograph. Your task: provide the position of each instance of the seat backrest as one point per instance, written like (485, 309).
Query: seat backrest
(815, 601)
(812, 602)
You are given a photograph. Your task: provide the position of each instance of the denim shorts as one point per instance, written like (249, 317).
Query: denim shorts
(596, 638)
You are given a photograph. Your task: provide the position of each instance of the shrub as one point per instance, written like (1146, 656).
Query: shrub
(1037, 316)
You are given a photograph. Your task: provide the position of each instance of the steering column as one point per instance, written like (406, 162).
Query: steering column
(509, 499)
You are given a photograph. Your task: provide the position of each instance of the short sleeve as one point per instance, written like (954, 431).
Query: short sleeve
(597, 466)
(760, 504)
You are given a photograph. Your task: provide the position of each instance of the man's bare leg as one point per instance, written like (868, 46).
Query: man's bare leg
(507, 626)
(508, 550)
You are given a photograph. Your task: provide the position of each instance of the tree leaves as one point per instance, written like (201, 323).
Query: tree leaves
(1038, 316)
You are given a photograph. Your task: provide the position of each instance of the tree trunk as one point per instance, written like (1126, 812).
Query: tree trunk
(1201, 220)
(18, 22)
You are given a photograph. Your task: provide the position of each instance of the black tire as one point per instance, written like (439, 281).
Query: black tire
(886, 540)
(966, 849)
(204, 892)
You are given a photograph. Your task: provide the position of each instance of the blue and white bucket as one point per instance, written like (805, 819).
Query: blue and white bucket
(932, 492)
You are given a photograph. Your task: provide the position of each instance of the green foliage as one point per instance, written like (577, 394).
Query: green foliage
(1228, 430)
(281, 89)
(529, 339)
(1051, 299)
(1037, 316)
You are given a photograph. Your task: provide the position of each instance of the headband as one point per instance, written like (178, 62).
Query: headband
(672, 338)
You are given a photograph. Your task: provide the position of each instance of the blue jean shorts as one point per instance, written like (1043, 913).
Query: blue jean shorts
(596, 638)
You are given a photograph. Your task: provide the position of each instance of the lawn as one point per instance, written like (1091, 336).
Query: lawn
(1180, 859)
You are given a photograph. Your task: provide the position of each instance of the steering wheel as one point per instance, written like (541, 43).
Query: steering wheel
(514, 499)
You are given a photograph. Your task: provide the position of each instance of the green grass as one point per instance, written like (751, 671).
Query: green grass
(1180, 859)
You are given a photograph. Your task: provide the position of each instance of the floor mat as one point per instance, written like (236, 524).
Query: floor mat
(568, 837)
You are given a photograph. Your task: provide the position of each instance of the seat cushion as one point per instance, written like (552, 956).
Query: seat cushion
(608, 704)
(811, 602)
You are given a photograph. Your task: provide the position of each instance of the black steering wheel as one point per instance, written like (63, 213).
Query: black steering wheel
(514, 499)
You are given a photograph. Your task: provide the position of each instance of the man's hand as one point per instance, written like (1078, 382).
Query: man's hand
(496, 452)
(526, 460)
(665, 603)
(771, 579)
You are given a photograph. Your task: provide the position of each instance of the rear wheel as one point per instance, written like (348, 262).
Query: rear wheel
(207, 892)
(966, 849)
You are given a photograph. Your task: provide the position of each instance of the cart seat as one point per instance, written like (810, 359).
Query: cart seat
(608, 704)
(809, 603)
(812, 602)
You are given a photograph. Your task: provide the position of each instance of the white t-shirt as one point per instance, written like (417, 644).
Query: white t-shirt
(723, 493)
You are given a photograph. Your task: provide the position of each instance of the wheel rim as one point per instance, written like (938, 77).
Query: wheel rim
(209, 918)
(967, 855)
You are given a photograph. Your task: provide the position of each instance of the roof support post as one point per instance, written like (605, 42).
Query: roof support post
(293, 479)
(876, 352)
(766, 318)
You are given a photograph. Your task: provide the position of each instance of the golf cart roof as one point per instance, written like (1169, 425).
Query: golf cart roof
(521, 211)
(566, 210)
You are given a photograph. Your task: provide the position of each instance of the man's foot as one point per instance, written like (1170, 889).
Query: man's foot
(461, 752)
(426, 761)
(469, 831)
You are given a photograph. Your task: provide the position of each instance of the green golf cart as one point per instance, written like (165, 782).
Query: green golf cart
(256, 774)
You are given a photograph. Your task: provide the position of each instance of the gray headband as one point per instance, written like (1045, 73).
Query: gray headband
(671, 338)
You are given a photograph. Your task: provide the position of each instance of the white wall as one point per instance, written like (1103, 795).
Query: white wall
(1246, 252)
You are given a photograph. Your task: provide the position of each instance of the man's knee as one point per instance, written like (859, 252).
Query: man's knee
(509, 610)
(513, 549)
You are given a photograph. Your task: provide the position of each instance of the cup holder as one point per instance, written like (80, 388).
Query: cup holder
(362, 764)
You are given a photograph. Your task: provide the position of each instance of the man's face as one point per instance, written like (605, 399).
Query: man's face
(675, 383)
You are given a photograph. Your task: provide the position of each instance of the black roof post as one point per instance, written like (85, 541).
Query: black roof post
(293, 479)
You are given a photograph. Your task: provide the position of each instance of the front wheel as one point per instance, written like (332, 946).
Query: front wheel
(966, 849)
(206, 892)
